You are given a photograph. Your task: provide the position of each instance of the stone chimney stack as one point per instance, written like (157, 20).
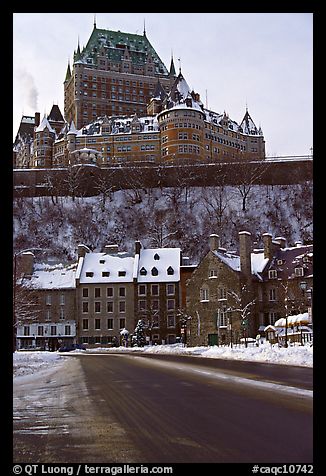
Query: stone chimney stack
(111, 249)
(268, 248)
(37, 119)
(137, 247)
(214, 242)
(245, 252)
(25, 264)
(281, 240)
(82, 250)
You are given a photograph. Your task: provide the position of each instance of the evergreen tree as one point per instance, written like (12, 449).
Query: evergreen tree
(139, 336)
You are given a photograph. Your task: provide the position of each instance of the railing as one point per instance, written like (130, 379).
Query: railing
(288, 158)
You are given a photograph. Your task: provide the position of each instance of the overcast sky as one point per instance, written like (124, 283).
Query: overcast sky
(263, 60)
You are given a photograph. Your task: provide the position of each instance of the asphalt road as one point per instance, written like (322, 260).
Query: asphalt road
(131, 408)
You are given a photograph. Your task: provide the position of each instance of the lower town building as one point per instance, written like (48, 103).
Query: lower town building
(231, 296)
(44, 305)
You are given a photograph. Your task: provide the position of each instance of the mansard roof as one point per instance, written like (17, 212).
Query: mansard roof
(115, 43)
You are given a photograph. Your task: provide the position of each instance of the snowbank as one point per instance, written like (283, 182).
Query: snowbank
(293, 355)
(26, 363)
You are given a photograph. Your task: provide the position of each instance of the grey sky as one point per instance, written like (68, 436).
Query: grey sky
(263, 60)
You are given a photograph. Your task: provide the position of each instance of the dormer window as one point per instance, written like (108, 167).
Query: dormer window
(121, 274)
(105, 274)
(298, 272)
(154, 271)
(143, 271)
(170, 270)
(89, 274)
(156, 257)
(272, 274)
(102, 261)
(280, 262)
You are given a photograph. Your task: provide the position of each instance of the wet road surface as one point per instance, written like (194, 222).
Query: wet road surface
(131, 408)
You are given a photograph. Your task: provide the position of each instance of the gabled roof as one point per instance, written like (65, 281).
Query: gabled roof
(248, 126)
(165, 260)
(46, 276)
(55, 114)
(44, 124)
(117, 268)
(258, 262)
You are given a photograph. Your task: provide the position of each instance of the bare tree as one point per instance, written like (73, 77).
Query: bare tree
(242, 303)
(246, 175)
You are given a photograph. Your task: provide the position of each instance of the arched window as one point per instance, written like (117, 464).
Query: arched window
(156, 256)
(143, 271)
(154, 271)
(170, 270)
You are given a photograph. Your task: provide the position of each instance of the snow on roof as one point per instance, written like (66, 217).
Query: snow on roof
(45, 123)
(58, 276)
(107, 268)
(258, 262)
(165, 260)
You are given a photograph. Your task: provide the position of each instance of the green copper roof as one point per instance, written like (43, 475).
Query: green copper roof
(114, 45)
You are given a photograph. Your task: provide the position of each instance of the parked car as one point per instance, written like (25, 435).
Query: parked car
(69, 348)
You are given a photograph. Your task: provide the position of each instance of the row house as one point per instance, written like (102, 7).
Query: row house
(232, 295)
(44, 304)
(99, 299)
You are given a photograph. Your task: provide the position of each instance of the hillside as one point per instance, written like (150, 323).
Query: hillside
(179, 216)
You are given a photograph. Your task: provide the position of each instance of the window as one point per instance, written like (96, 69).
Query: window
(142, 290)
(85, 306)
(122, 292)
(110, 323)
(212, 273)
(67, 330)
(89, 274)
(85, 292)
(222, 317)
(105, 274)
(143, 271)
(26, 331)
(222, 293)
(97, 324)
(85, 324)
(156, 257)
(121, 273)
(62, 299)
(154, 271)
(155, 290)
(109, 306)
(142, 305)
(170, 270)
(170, 289)
(171, 304)
(204, 295)
(272, 274)
(272, 294)
(122, 323)
(48, 315)
(109, 292)
(298, 271)
(122, 306)
(53, 330)
(62, 313)
(273, 317)
(40, 330)
(97, 306)
(48, 300)
(155, 305)
(171, 320)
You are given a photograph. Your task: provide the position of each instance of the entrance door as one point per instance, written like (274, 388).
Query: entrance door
(212, 339)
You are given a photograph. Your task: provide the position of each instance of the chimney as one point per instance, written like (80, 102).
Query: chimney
(245, 252)
(214, 242)
(298, 243)
(111, 249)
(82, 250)
(281, 240)
(25, 264)
(267, 240)
(137, 247)
(37, 119)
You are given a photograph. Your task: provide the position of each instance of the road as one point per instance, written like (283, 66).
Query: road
(138, 409)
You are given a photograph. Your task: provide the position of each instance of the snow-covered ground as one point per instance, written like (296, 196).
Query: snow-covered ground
(25, 363)
(30, 362)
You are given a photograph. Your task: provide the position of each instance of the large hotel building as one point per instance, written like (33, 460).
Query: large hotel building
(122, 105)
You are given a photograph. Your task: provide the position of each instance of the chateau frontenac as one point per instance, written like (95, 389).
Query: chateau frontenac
(122, 105)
